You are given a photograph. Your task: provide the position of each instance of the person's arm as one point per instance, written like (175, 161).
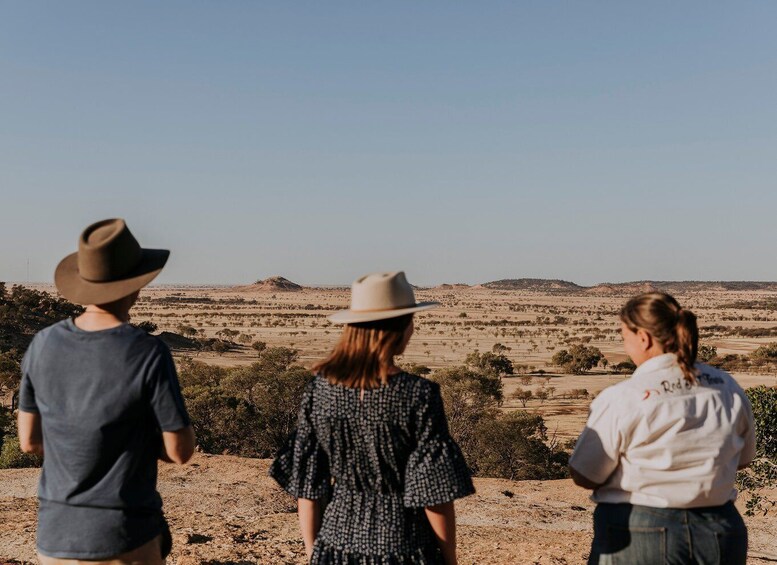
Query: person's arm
(582, 481)
(748, 452)
(30, 432)
(178, 446)
(309, 512)
(442, 518)
(602, 442)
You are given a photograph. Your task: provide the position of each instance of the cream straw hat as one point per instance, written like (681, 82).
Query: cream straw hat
(379, 296)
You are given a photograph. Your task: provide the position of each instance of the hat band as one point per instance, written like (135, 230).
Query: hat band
(110, 272)
(383, 309)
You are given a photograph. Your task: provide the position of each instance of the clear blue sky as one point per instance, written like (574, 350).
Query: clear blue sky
(462, 142)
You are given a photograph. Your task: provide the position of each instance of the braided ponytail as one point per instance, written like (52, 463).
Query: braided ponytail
(673, 327)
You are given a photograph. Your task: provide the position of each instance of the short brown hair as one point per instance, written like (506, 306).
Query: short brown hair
(365, 352)
(670, 324)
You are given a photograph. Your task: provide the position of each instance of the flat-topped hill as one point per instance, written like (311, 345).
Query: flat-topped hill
(538, 285)
(271, 284)
(557, 286)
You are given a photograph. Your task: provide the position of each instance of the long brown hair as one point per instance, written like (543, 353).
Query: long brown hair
(363, 356)
(673, 327)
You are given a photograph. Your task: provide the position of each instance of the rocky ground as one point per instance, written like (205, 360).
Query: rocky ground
(225, 510)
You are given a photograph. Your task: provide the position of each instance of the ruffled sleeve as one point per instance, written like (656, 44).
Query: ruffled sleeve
(436, 471)
(302, 466)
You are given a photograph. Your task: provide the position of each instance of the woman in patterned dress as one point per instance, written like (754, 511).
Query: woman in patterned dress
(371, 463)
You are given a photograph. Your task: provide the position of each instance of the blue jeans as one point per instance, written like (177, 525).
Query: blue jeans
(640, 535)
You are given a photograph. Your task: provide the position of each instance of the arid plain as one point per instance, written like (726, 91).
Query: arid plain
(225, 510)
(533, 324)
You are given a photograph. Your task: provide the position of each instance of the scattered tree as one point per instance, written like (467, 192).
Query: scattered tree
(579, 359)
(493, 363)
(187, 331)
(416, 369)
(624, 367)
(147, 326)
(707, 353)
(541, 394)
(522, 395)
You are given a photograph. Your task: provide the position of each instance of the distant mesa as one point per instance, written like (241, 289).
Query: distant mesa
(553, 286)
(556, 286)
(629, 288)
(536, 285)
(272, 284)
(681, 287)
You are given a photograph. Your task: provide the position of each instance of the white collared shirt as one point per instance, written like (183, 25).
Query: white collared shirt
(655, 440)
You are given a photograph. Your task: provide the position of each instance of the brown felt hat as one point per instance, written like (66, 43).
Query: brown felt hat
(380, 296)
(109, 265)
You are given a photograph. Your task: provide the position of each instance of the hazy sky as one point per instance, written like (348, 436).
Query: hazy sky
(459, 141)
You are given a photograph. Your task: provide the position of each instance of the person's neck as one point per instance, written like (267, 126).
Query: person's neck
(96, 318)
(648, 355)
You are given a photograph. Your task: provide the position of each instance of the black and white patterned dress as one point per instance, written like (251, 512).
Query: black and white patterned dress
(379, 460)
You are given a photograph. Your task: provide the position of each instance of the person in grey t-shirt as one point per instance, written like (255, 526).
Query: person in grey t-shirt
(100, 400)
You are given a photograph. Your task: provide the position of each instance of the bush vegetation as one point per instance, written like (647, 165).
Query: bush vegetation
(579, 359)
(11, 455)
(512, 445)
(762, 472)
(250, 411)
(762, 360)
(23, 312)
(245, 411)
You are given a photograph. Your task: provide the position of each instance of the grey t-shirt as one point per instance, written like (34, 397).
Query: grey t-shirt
(104, 397)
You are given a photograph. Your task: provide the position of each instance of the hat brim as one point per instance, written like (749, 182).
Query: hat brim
(81, 291)
(356, 316)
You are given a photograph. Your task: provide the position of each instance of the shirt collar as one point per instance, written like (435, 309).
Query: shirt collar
(656, 364)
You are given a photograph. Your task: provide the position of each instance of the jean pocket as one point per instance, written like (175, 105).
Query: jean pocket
(732, 547)
(634, 546)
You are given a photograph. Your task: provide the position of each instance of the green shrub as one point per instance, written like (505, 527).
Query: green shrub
(764, 402)
(248, 411)
(12, 457)
(514, 446)
(707, 353)
(492, 362)
(578, 360)
(762, 472)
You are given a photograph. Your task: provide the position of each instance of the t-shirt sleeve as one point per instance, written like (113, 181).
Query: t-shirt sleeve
(599, 447)
(748, 432)
(26, 390)
(165, 392)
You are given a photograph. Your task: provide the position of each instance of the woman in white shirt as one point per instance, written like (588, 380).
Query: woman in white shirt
(660, 450)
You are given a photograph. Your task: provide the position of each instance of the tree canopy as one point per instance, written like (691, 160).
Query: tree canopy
(579, 359)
